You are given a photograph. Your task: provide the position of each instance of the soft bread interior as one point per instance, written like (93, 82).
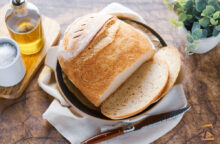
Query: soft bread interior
(171, 55)
(138, 92)
(125, 74)
(128, 72)
(105, 40)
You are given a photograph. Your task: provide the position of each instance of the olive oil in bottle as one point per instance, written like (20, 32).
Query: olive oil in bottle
(24, 25)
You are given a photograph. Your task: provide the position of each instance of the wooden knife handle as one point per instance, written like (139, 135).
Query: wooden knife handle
(104, 136)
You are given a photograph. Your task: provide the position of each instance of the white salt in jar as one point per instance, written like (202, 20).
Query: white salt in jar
(12, 69)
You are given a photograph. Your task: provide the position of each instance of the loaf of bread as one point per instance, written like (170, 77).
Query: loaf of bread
(138, 92)
(99, 52)
(171, 55)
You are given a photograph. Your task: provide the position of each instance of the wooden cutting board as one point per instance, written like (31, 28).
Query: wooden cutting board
(32, 62)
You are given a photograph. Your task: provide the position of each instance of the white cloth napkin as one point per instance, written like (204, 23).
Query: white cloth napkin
(76, 129)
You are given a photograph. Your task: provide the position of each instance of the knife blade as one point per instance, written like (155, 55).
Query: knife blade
(159, 118)
(134, 126)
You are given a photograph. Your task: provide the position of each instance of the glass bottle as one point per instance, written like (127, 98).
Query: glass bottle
(25, 27)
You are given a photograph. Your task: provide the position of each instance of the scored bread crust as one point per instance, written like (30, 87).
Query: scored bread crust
(109, 106)
(113, 49)
(171, 55)
(81, 32)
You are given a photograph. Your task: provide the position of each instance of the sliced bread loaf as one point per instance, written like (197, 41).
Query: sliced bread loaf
(99, 52)
(171, 55)
(138, 92)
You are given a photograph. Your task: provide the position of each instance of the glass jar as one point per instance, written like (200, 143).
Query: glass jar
(24, 24)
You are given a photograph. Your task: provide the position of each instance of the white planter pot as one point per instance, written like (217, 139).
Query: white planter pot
(205, 44)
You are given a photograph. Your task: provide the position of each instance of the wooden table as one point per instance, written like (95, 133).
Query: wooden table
(21, 119)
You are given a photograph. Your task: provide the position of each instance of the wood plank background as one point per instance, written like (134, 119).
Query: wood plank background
(21, 119)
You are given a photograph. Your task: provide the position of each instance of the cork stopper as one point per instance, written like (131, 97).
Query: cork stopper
(18, 2)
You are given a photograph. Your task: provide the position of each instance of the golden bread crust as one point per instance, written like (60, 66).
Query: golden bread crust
(94, 69)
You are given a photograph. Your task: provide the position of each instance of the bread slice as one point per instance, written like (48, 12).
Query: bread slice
(99, 52)
(138, 92)
(171, 55)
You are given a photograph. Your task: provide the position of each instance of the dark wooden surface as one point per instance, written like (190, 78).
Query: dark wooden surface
(21, 119)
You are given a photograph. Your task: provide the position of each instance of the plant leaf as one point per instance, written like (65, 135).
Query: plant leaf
(216, 15)
(172, 21)
(204, 22)
(182, 2)
(204, 33)
(209, 30)
(208, 11)
(197, 34)
(178, 8)
(182, 17)
(170, 7)
(195, 26)
(189, 38)
(200, 5)
(189, 17)
(179, 24)
(176, 23)
(195, 13)
(189, 4)
(213, 22)
(217, 28)
(215, 32)
(190, 47)
(197, 17)
(215, 4)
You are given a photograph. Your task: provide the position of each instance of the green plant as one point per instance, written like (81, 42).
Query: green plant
(200, 17)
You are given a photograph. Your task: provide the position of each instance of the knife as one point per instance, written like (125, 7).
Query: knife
(134, 126)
